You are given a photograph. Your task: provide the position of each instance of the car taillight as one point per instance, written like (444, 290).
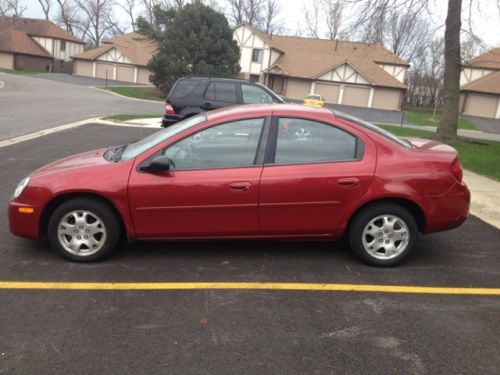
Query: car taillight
(169, 110)
(456, 169)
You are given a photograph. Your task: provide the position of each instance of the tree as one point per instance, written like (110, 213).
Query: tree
(195, 40)
(12, 8)
(45, 4)
(447, 129)
(96, 20)
(128, 7)
(333, 10)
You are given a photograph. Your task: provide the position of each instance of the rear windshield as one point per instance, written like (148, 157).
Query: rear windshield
(184, 87)
(372, 127)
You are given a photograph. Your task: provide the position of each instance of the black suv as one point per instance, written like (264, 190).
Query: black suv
(192, 95)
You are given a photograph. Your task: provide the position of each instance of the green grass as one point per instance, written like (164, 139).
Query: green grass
(127, 117)
(482, 157)
(138, 92)
(425, 117)
(22, 72)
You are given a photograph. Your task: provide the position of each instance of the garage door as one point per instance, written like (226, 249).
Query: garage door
(83, 68)
(297, 89)
(386, 99)
(102, 68)
(481, 105)
(329, 92)
(356, 96)
(143, 76)
(6, 60)
(125, 73)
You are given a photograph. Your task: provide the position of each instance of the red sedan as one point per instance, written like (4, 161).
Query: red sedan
(252, 172)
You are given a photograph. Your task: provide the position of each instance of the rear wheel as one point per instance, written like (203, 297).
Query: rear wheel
(84, 230)
(383, 234)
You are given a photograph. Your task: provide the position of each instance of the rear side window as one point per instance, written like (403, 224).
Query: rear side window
(184, 87)
(221, 92)
(253, 94)
(306, 141)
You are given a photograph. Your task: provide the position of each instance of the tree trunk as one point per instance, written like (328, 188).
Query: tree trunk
(447, 129)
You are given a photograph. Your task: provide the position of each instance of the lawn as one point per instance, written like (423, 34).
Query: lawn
(126, 117)
(482, 157)
(139, 92)
(425, 117)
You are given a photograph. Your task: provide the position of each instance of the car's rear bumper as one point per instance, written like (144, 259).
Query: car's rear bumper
(447, 211)
(168, 120)
(24, 224)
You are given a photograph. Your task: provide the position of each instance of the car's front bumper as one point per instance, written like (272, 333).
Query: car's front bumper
(24, 224)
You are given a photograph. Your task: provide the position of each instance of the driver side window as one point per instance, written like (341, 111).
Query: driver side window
(232, 144)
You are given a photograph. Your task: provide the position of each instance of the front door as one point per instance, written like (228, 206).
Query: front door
(318, 172)
(211, 190)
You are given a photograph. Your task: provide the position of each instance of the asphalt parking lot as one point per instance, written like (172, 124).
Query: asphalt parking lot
(200, 331)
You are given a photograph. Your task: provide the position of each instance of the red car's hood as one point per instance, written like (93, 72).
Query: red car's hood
(91, 158)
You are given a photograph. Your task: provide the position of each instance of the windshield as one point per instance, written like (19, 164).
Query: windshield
(144, 144)
(315, 97)
(375, 128)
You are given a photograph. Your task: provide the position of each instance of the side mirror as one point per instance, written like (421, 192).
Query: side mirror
(158, 164)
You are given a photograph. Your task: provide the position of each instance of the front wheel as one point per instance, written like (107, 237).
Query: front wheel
(84, 230)
(383, 234)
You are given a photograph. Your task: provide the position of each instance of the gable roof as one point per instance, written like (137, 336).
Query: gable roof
(37, 27)
(135, 46)
(488, 60)
(18, 42)
(309, 57)
(488, 84)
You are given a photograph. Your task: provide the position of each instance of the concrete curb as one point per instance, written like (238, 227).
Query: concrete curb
(2, 84)
(126, 97)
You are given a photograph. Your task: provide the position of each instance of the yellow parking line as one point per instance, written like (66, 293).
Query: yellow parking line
(5, 285)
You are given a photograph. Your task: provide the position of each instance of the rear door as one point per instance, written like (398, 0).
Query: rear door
(220, 94)
(314, 172)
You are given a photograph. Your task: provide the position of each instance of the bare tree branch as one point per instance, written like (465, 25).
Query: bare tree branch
(45, 4)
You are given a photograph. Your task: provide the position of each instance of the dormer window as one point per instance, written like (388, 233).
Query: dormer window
(257, 55)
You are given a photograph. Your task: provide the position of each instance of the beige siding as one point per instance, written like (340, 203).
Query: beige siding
(329, 92)
(386, 99)
(143, 76)
(6, 60)
(83, 68)
(125, 73)
(356, 96)
(101, 69)
(481, 105)
(297, 89)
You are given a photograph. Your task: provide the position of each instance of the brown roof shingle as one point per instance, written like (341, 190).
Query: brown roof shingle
(18, 42)
(489, 84)
(489, 60)
(37, 27)
(135, 46)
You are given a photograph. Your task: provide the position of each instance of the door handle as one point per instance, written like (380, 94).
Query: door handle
(348, 182)
(240, 186)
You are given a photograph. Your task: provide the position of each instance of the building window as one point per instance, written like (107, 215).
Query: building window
(254, 77)
(256, 55)
(63, 45)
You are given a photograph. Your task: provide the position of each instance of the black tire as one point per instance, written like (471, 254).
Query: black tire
(106, 225)
(383, 257)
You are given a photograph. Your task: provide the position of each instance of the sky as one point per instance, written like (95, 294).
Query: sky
(485, 18)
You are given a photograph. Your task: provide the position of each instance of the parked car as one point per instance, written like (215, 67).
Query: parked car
(192, 95)
(314, 100)
(262, 171)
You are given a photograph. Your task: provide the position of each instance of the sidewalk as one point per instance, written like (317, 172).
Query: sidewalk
(485, 197)
(475, 134)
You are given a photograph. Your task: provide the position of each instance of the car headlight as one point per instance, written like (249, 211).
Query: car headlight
(21, 186)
